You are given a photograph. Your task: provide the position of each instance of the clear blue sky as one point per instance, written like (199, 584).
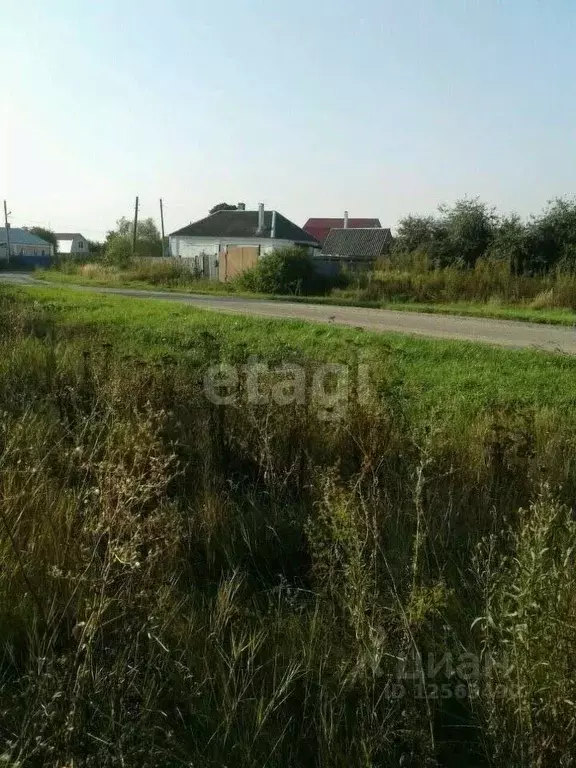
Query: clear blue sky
(380, 107)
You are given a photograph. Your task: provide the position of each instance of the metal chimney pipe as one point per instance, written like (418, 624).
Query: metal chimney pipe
(260, 218)
(345, 219)
(273, 230)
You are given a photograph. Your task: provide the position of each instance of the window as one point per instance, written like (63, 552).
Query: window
(81, 245)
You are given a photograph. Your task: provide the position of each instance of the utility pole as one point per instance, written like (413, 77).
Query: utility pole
(135, 231)
(162, 224)
(7, 231)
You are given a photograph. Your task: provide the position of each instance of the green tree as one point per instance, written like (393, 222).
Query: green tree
(458, 236)
(148, 241)
(118, 250)
(222, 207)
(425, 234)
(511, 244)
(470, 227)
(552, 237)
(45, 234)
(95, 247)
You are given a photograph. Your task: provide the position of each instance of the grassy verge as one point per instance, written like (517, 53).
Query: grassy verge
(447, 376)
(495, 309)
(279, 580)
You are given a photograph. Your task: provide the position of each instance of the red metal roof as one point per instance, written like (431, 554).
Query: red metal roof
(319, 228)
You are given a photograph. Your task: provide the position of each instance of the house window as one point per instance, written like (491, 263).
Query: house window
(81, 244)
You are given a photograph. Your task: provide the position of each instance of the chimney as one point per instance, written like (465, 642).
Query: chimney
(345, 219)
(273, 230)
(241, 206)
(260, 219)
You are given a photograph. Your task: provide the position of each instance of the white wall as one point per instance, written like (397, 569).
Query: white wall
(188, 247)
(73, 246)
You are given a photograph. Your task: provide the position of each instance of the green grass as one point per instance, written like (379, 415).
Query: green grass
(189, 583)
(444, 376)
(557, 316)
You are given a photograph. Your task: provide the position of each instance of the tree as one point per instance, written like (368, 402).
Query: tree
(425, 234)
(45, 234)
(470, 227)
(222, 207)
(148, 242)
(510, 244)
(95, 247)
(118, 250)
(552, 237)
(459, 236)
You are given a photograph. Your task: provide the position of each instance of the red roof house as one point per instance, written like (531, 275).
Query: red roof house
(319, 228)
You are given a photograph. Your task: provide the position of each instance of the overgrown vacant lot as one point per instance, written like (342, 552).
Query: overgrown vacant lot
(191, 583)
(488, 290)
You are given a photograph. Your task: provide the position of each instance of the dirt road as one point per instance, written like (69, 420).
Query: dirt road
(503, 333)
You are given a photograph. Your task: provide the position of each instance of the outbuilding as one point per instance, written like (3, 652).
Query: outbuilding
(355, 249)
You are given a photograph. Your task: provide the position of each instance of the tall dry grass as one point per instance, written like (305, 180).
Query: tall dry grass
(184, 583)
(489, 282)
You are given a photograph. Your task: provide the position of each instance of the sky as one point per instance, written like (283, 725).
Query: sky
(379, 107)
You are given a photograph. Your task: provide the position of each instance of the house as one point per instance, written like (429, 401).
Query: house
(319, 228)
(355, 248)
(72, 243)
(226, 243)
(26, 249)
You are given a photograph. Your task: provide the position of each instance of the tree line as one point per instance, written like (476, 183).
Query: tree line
(469, 230)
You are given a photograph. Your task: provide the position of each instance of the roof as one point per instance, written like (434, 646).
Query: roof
(69, 236)
(368, 243)
(319, 228)
(22, 237)
(245, 224)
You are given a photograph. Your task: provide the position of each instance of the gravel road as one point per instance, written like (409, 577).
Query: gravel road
(503, 333)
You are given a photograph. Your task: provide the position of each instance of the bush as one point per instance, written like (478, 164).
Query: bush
(285, 270)
(118, 251)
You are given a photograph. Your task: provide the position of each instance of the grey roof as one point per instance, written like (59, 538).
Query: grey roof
(245, 224)
(368, 243)
(21, 237)
(68, 236)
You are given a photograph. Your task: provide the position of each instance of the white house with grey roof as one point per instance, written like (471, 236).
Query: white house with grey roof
(72, 243)
(239, 237)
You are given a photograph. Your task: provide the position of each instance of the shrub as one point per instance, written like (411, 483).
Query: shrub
(527, 636)
(118, 251)
(285, 270)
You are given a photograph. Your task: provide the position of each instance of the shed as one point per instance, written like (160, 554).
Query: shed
(355, 248)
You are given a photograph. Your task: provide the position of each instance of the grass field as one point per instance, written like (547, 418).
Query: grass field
(443, 376)
(279, 582)
(176, 278)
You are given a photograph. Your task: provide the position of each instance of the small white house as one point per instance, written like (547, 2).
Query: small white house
(238, 236)
(72, 243)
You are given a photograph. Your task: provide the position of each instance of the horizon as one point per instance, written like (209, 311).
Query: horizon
(385, 112)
